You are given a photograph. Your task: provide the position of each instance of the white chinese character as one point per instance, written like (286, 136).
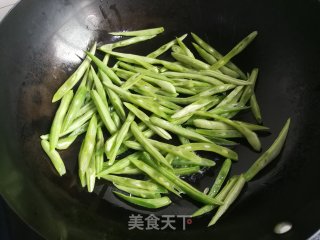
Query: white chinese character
(135, 221)
(168, 219)
(152, 222)
(189, 221)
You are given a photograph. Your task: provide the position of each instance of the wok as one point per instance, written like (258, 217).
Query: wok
(40, 42)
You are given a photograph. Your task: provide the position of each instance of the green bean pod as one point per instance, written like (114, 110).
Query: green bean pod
(58, 119)
(146, 202)
(74, 78)
(138, 192)
(99, 153)
(54, 157)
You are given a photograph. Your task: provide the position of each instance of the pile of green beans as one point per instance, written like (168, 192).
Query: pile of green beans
(129, 111)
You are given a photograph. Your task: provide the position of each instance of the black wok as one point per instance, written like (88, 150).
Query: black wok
(40, 41)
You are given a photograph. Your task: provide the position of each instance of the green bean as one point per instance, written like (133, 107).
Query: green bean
(58, 119)
(186, 170)
(118, 165)
(99, 150)
(229, 107)
(185, 49)
(177, 49)
(111, 141)
(251, 137)
(191, 108)
(89, 83)
(220, 178)
(74, 107)
(217, 55)
(143, 64)
(165, 47)
(270, 154)
(99, 87)
(184, 186)
(220, 133)
(131, 81)
(105, 59)
(104, 68)
(146, 202)
(80, 121)
(174, 150)
(144, 102)
(185, 91)
(235, 51)
(211, 60)
(144, 32)
(91, 174)
(224, 78)
(230, 198)
(228, 99)
(144, 118)
(74, 78)
(134, 183)
(54, 157)
(138, 192)
(120, 136)
(147, 145)
(103, 112)
(156, 176)
(134, 145)
(170, 65)
(85, 108)
(255, 108)
(114, 98)
(194, 76)
(189, 61)
(210, 147)
(178, 129)
(249, 89)
(87, 147)
(129, 170)
(221, 196)
(183, 140)
(64, 143)
(125, 42)
(116, 119)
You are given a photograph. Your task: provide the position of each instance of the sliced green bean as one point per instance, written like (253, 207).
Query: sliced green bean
(144, 32)
(229, 199)
(185, 187)
(186, 170)
(224, 78)
(120, 137)
(147, 145)
(74, 78)
(141, 63)
(99, 87)
(104, 68)
(221, 196)
(228, 99)
(134, 183)
(270, 154)
(54, 157)
(251, 137)
(99, 154)
(220, 178)
(178, 129)
(144, 118)
(116, 119)
(235, 51)
(91, 174)
(210, 59)
(165, 47)
(144, 102)
(87, 148)
(156, 176)
(131, 81)
(138, 192)
(64, 143)
(103, 112)
(232, 133)
(146, 202)
(189, 61)
(185, 49)
(191, 108)
(114, 98)
(58, 119)
(125, 42)
(85, 108)
(255, 108)
(74, 107)
(217, 55)
(248, 91)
